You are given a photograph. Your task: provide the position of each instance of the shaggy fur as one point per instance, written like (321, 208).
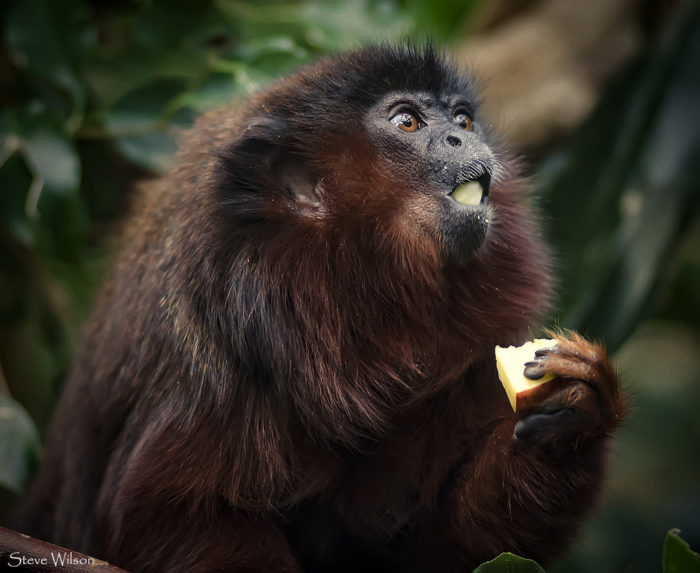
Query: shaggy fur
(281, 383)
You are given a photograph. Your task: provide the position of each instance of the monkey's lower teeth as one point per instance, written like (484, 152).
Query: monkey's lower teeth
(469, 193)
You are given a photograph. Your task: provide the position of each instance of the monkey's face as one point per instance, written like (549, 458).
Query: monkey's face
(436, 153)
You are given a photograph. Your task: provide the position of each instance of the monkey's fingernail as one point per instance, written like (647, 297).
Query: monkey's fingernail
(545, 351)
(533, 372)
(533, 363)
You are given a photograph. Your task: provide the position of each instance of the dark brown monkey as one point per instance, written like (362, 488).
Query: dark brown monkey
(291, 366)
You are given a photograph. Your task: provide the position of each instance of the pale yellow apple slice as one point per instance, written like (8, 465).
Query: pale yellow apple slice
(523, 393)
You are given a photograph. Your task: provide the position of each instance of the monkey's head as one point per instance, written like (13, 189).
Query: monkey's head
(385, 138)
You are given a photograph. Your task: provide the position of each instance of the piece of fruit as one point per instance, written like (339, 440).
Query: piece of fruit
(523, 393)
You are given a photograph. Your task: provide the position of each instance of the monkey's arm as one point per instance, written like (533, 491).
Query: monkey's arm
(527, 485)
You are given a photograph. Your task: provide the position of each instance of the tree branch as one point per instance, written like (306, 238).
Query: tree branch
(19, 552)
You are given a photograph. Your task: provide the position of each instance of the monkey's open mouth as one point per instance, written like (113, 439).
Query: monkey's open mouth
(474, 192)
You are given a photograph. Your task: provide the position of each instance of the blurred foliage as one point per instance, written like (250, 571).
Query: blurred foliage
(623, 199)
(18, 446)
(94, 93)
(678, 557)
(629, 179)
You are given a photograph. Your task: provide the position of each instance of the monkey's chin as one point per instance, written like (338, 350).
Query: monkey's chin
(466, 221)
(464, 231)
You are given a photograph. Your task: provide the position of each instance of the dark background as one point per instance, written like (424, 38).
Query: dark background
(601, 98)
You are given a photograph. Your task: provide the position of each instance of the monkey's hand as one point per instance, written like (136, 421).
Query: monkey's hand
(591, 404)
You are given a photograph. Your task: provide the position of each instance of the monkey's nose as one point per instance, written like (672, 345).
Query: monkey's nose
(454, 141)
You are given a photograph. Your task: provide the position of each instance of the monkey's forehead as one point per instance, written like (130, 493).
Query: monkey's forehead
(426, 100)
(365, 75)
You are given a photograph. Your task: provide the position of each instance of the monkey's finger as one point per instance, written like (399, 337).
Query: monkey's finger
(546, 351)
(563, 367)
(533, 370)
(574, 346)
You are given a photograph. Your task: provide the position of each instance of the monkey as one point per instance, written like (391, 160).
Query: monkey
(290, 366)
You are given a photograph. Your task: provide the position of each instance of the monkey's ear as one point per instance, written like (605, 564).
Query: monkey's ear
(264, 129)
(269, 157)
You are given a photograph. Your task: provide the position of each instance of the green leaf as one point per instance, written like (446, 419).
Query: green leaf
(19, 443)
(15, 181)
(678, 557)
(152, 151)
(509, 563)
(218, 89)
(272, 56)
(53, 158)
(139, 123)
(47, 40)
(322, 26)
(157, 41)
(42, 171)
(46, 211)
(341, 25)
(41, 139)
(441, 18)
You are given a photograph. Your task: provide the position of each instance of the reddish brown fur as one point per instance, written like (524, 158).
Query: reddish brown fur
(317, 390)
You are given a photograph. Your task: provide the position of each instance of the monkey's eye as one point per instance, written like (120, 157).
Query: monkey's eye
(406, 121)
(464, 121)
